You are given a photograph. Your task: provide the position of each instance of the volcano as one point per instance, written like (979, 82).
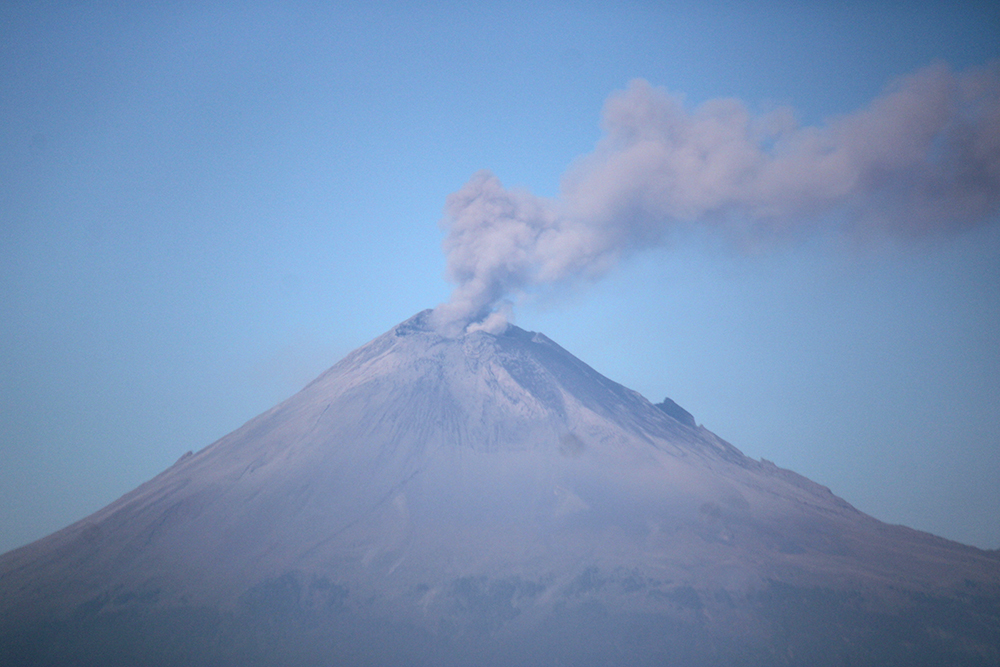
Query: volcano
(488, 499)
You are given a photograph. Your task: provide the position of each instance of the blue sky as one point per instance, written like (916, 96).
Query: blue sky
(202, 208)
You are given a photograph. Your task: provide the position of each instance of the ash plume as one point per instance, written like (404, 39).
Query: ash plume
(922, 158)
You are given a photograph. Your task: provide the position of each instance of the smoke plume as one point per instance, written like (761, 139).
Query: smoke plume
(923, 157)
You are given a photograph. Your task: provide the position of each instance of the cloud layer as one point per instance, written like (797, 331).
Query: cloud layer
(923, 157)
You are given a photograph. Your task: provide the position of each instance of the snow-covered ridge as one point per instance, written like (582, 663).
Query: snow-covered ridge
(423, 469)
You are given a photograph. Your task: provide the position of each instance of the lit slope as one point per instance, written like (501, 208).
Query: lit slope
(485, 499)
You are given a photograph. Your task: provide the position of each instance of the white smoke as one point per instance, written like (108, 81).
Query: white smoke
(923, 157)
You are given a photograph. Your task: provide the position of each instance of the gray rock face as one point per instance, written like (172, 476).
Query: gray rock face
(488, 500)
(677, 412)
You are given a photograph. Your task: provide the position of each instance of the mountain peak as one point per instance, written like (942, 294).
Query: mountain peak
(473, 496)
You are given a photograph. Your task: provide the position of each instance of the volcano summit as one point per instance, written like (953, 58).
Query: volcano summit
(488, 499)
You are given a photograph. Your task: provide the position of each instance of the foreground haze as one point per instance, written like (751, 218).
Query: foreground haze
(488, 499)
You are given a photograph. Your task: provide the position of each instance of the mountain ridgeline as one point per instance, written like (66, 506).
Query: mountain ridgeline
(488, 499)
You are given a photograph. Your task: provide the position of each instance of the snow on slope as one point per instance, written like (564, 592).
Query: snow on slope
(420, 460)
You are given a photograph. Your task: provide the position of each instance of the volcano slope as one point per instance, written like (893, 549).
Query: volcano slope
(488, 500)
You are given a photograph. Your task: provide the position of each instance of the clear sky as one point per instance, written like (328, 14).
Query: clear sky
(205, 205)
